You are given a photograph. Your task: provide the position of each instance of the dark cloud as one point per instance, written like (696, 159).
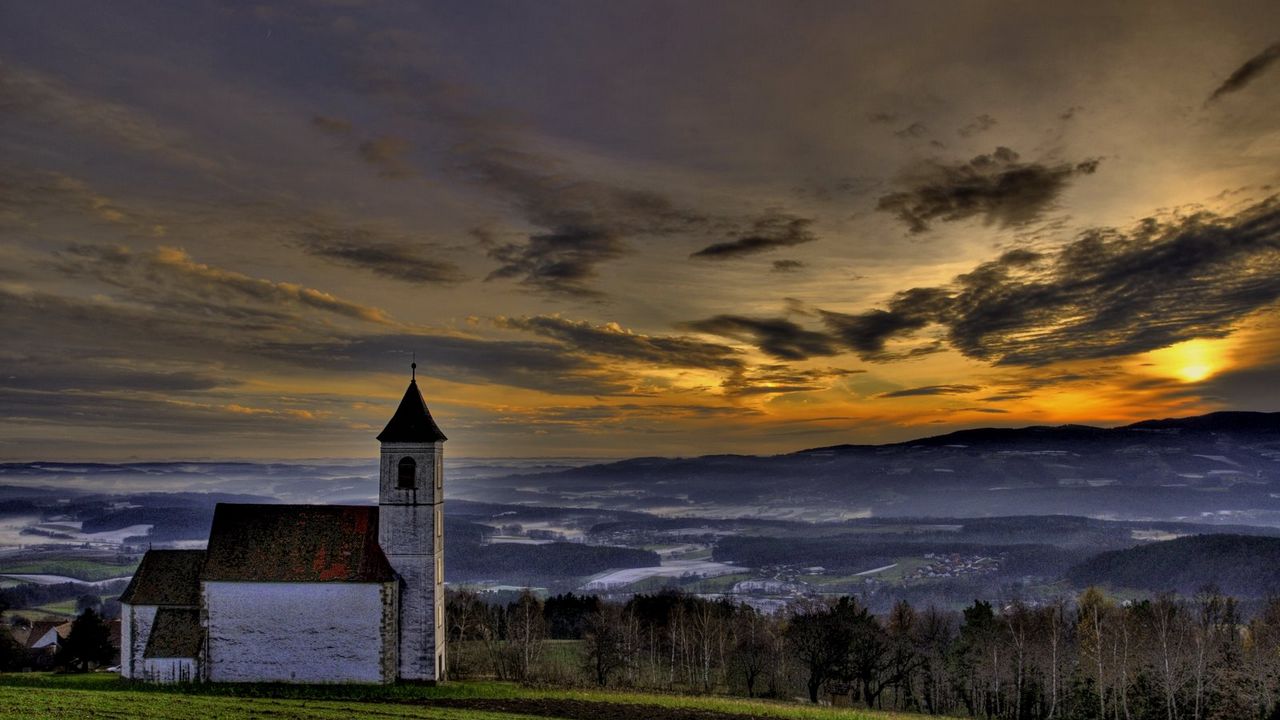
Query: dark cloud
(776, 379)
(332, 125)
(51, 102)
(979, 125)
(1106, 294)
(932, 390)
(54, 374)
(118, 342)
(1248, 72)
(613, 341)
(633, 417)
(579, 223)
(169, 278)
(771, 231)
(561, 263)
(158, 412)
(786, 266)
(778, 337)
(914, 130)
(389, 154)
(999, 188)
(544, 366)
(586, 222)
(867, 333)
(413, 262)
(1005, 397)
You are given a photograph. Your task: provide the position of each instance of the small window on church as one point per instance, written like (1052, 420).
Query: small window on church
(408, 469)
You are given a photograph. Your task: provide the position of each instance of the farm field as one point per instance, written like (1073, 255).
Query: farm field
(102, 695)
(65, 567)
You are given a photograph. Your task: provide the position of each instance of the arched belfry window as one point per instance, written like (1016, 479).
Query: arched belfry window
(408, 470)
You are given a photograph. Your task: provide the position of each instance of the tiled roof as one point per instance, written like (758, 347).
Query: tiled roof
(175, 633)
(166, 577)
(40, 628)
(412, 422)
(295, 543)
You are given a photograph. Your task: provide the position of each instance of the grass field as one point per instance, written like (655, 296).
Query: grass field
(78, 568)
(103, 695)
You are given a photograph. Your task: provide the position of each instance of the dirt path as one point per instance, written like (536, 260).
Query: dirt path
(583, 709)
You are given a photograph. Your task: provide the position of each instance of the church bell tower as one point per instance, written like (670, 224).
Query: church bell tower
(411, 530)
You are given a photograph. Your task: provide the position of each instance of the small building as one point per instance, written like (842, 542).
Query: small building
(165, 587)
(46, 635)
(306, 593)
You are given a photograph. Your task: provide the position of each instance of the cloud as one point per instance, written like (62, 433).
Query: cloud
(586, 222)
(932, 390)
(999, 188)
(364, 248)
(1248, 72)
(773, 230)
(48, 100)
(115, 342)
(613, 341)
(979, 125)
(1004, 397)
(778, 337)
(331, 125)
(560, 263)
(786, 266)
(774, 379)
(547, 367)
(389, 155)
(31, 198)
(169, 276)
(1106, 294)
(55, 374)
(868, 333)
(914, 130)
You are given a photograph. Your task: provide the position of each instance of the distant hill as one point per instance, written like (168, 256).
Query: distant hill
(1240, 565)
(1221, 468)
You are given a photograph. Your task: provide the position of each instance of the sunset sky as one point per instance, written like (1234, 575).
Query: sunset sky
(612, 229)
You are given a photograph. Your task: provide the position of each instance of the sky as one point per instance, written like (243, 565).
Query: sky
(628, 228)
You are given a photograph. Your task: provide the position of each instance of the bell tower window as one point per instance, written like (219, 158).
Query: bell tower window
(408, 470)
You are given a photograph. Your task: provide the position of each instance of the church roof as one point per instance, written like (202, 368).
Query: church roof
(166, 577)
(295, 543)
(175, 633)
(412, 422)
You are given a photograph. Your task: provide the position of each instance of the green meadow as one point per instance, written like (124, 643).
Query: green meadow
(103, 695)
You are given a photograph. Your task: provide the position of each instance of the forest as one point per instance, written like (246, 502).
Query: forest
(1092, 657)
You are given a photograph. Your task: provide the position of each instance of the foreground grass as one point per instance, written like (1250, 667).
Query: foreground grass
(103, 695)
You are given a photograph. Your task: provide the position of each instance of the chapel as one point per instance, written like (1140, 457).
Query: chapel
(306, 593)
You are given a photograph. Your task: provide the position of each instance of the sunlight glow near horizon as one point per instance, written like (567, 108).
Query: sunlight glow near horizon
(1192, 361)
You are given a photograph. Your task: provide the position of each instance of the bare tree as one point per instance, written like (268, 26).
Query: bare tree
(526, 634)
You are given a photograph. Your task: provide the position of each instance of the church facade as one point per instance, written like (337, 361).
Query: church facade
(306, 593)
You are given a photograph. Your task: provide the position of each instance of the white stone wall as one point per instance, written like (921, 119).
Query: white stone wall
(135, 629)
(410, 531)
(300, 632)
(168, 670)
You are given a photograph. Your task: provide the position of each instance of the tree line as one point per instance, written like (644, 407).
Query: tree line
(1087, 658)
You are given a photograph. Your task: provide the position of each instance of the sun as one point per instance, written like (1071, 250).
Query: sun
(1191, 361)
